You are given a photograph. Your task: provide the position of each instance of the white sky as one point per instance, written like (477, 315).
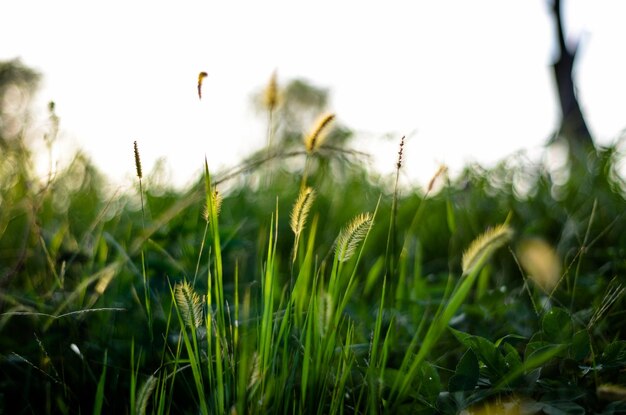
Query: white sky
(464, 79)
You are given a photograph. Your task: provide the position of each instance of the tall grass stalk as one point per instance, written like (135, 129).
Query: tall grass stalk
(266, 343)
(390, 251)
(185, 301)
(346, 246)
(378, 354)
(146, 285)
(270, 101)
(401, 291)
(303, 286)
(583, 248)
(133, 378)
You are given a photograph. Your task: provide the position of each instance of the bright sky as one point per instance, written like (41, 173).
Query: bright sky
(464, 80)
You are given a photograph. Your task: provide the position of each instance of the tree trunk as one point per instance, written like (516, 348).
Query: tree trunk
(573, 127)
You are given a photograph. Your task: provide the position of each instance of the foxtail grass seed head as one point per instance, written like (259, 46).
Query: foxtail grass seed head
(270, 95)
(399, 163)
(352, 235)
(484, 246)
(511, 405)
(325, 309)
(442, 171)
(255, 371)
(189, 304)
(301, 210)
(541, 262)
(216, 199)
(318, 134)
(611, 393)
(137, 161)
(201, 77)
(145, 392)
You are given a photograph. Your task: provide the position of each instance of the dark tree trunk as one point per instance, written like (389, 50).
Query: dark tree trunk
(573, 127)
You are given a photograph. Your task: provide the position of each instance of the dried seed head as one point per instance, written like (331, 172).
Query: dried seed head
(443, 170)
(399, 163)
(314, 140)
(201, 77)
(137, 161)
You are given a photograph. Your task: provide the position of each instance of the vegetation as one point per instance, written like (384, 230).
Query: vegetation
(299, 282)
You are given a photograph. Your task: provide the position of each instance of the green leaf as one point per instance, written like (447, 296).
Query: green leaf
(580, 345)
(466, 374)
(614, 354)
(561, 408)
(462, 337)
(557, 326)
(486, 352)
(511, 357)
(429, 383)
(97, 406)
(535, 343)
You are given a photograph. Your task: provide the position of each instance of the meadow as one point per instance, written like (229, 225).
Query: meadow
(301, 282)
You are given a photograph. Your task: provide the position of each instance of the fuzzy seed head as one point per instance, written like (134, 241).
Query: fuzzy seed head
(325, 308)
(189, 304)
(611, 393)
(145, 392)
(318, 134)
(541, 262)
(270, 95)
(301, 210)
(216, 200)
(483, 246)
(352, 235)
(255, 371)
(299, 215)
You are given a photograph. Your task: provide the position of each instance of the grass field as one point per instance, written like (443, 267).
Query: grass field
(299, 282)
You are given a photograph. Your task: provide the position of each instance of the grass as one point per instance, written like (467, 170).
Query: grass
(312, 286)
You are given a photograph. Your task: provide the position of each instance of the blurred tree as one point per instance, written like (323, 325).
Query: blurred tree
(299, 103)
(18, 83)
(296, 106)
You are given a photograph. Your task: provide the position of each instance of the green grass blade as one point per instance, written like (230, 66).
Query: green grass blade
(99, 399)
